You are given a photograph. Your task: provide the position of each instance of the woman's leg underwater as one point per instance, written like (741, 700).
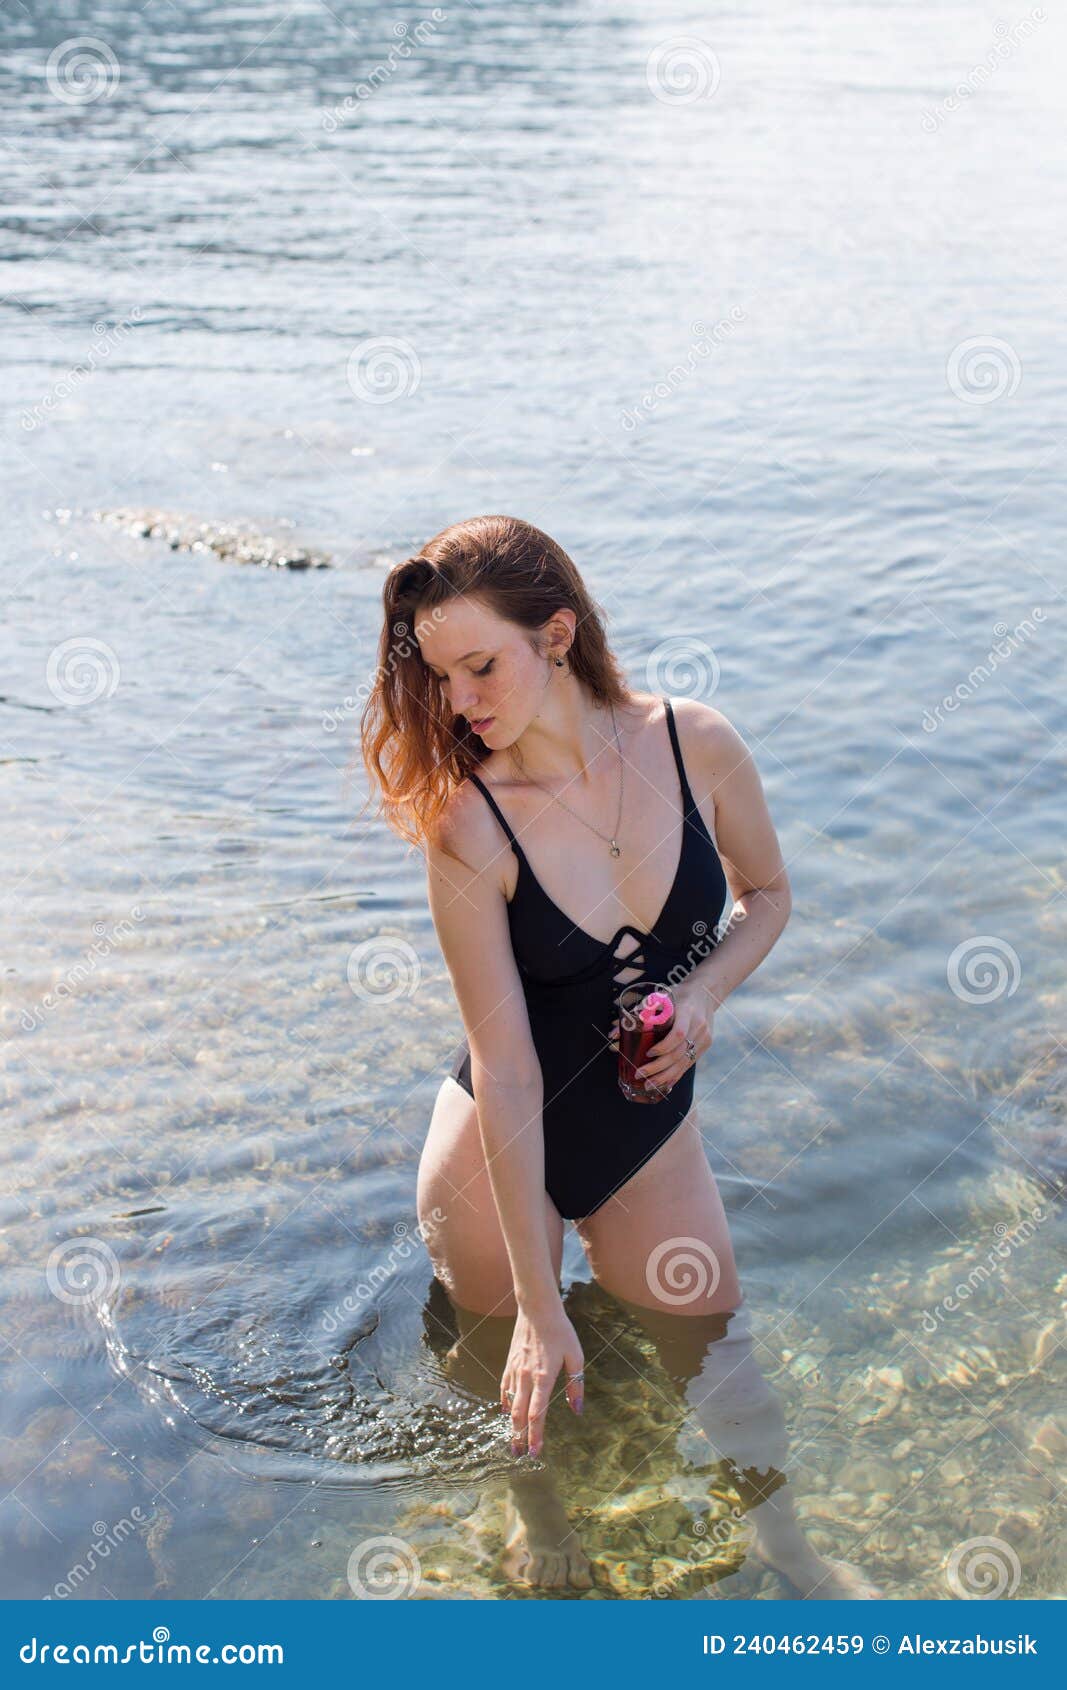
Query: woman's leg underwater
(661, 1247)
(458, 1217)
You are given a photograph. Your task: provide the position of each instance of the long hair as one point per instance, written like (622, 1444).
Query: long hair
(414, 749)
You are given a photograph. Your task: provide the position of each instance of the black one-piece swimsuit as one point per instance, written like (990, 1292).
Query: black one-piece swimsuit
(595, 1139)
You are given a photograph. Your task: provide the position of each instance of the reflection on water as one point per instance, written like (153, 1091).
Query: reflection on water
(225, 1016)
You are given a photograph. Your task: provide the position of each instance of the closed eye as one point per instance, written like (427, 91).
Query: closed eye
(478, 672)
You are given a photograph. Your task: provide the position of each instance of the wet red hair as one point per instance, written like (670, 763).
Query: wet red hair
(414, 749)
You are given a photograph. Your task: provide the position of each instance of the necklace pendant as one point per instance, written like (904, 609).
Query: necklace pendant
(614, 849)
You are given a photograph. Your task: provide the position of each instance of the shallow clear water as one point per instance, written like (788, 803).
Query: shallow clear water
(721, 348)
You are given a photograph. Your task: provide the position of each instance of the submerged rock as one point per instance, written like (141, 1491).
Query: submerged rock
(226, 539)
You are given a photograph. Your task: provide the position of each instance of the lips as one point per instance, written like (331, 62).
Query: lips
(480, 726)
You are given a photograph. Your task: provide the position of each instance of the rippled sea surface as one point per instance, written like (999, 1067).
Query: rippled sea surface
(768, 331)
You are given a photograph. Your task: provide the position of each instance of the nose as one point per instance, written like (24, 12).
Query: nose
(466, 706)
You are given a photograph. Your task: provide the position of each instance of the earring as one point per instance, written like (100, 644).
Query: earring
(559, 663)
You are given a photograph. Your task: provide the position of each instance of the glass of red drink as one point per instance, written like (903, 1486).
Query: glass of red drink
(645, 1013)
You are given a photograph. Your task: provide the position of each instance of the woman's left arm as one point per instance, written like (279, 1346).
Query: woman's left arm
(751, 858)
(755, 875)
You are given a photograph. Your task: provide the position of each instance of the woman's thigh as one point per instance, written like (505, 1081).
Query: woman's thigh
(457, 1210)
(662, 1240)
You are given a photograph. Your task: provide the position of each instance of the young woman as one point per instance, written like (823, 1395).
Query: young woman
(578, 835)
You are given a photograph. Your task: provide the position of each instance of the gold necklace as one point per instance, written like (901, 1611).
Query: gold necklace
(618, 818)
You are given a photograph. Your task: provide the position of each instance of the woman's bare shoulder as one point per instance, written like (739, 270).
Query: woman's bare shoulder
(465, 829)
(712, 735)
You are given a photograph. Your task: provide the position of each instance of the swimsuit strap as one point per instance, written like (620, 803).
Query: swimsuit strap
(497, 811)
(687, 791)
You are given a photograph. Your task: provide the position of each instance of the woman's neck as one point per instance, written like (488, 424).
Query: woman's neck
(571, 740)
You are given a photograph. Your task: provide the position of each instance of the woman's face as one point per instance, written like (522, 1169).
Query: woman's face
(488, 672)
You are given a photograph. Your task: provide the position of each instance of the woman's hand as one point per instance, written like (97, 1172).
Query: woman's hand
(540, 1346)
(668, 1058)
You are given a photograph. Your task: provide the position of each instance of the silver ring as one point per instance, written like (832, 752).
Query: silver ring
(508, 1394)
(579, 1375)
(690, 1050)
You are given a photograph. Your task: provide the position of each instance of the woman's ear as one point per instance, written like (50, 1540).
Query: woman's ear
(558, 631)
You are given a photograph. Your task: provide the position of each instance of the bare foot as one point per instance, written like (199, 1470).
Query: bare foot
(541, 1547)
(821, 1578)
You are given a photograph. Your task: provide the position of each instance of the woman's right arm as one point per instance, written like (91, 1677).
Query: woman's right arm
(464, 865)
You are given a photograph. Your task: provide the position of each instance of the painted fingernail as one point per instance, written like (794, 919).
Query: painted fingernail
(536, 1450)
(578, 1401)
(516, 1446)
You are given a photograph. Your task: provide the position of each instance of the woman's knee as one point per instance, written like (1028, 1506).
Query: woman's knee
(483, 1288)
